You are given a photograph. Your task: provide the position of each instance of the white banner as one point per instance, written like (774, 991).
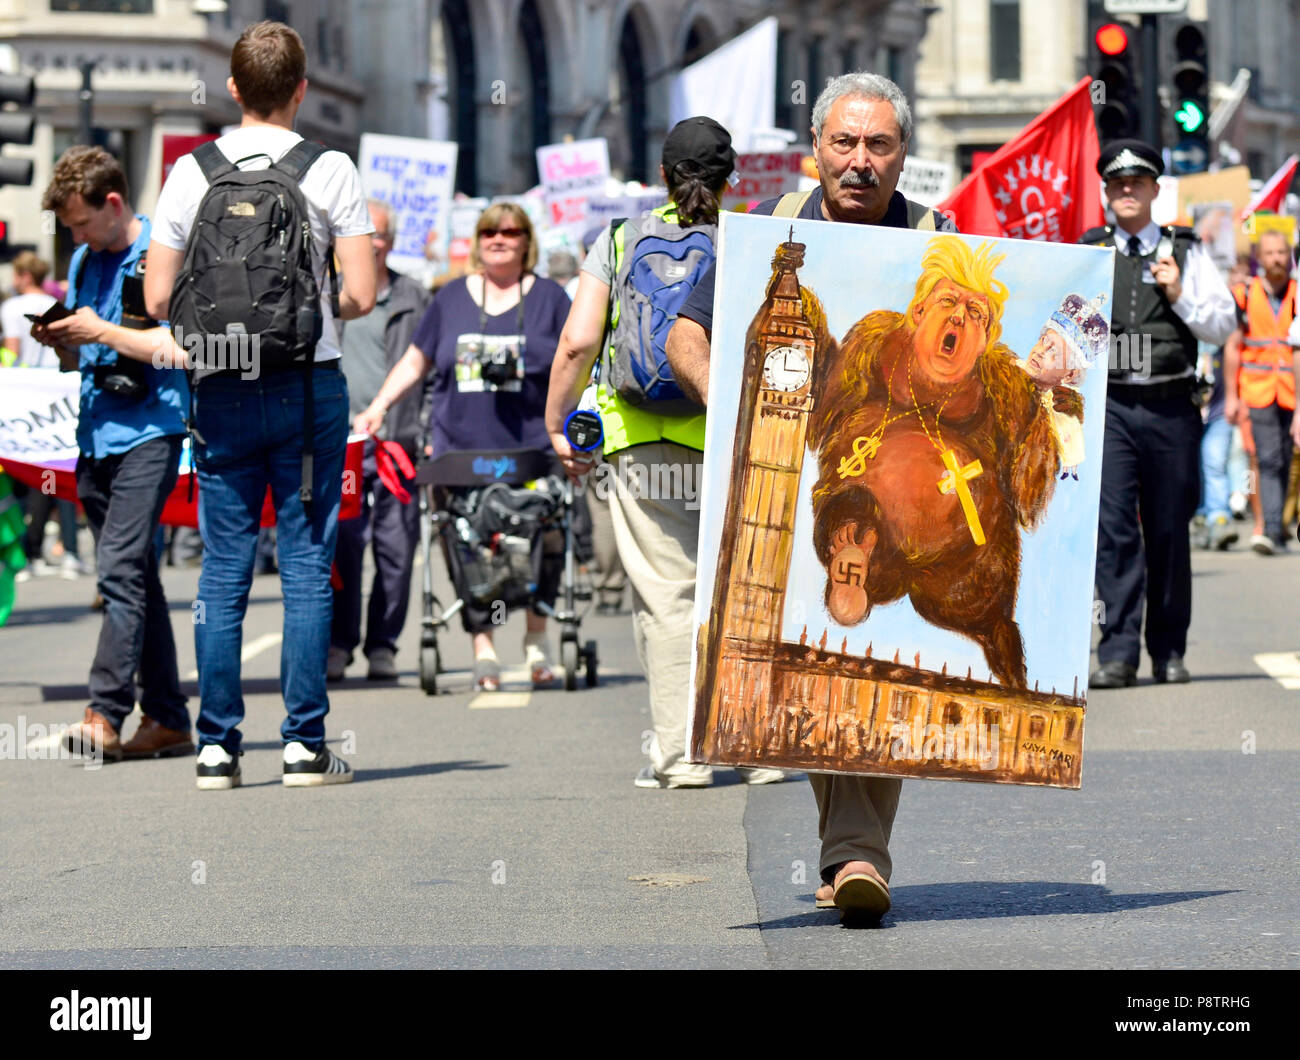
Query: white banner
(602, 210)
(763, 175)
(415, 177)
(572, 174)
(710, 86)
(924, 181)
(38, 415)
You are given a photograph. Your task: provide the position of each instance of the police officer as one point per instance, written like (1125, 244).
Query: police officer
(1168, 294)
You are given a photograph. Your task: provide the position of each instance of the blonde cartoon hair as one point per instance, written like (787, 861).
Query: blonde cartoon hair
(951, 258)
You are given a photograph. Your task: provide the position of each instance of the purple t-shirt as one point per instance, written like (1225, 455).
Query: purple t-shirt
(469, 413)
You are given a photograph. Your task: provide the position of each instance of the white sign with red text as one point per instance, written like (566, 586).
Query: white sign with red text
(763, 175)
(572, 173)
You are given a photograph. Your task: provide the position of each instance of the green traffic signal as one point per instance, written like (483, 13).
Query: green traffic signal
(1189, 116)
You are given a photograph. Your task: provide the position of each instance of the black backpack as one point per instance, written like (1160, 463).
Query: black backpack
(248, 275)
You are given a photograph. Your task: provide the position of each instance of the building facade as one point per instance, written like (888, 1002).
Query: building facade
(989, 67)
(160, 67)
(502, 77)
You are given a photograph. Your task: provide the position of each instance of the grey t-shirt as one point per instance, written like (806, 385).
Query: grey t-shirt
(365, 358)
(600, 258)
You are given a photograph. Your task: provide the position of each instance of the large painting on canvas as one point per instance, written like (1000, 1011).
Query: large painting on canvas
(900, 502)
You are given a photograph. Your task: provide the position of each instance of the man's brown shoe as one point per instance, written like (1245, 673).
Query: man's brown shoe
(152, 740)
(93, 737)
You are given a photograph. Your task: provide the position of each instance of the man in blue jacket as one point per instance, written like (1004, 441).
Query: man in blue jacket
(129, 433)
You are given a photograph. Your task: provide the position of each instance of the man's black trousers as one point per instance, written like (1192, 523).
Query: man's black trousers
(123, 496)
(1150, 488)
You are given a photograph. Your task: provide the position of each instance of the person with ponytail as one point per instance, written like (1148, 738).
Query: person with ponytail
(645, 443)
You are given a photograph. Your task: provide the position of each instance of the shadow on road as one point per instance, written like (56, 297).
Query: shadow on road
(63, 613)
(989, 900)
(423, 769)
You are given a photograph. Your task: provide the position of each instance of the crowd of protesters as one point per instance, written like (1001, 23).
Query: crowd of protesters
(407, 370)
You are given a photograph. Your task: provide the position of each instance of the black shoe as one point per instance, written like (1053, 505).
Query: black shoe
(1113, 674)
(1172, 671)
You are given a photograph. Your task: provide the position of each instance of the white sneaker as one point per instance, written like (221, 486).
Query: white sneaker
(40, 569)
(1261, 544)
(690, 777)
(71, 568)
(336, 663)
(383, 665)
(754, 775)
(24, 575)
(310, 769)
(217, 769)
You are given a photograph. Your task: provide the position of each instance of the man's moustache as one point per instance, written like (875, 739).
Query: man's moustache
(851, 179)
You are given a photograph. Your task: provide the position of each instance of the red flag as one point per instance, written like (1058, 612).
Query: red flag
(1042, 185)
(1271, 196)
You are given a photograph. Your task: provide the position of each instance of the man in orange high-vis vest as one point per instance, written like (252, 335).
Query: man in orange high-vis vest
(1259, 378)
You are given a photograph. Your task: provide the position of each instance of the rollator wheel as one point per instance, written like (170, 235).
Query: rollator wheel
(589, 657)
(569, 660)
(430, 666)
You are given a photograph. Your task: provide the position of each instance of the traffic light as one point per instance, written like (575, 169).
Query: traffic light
(1190, 98)
(16, 125)
(1117, 107)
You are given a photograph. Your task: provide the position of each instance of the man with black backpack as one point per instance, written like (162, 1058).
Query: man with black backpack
(241, 265)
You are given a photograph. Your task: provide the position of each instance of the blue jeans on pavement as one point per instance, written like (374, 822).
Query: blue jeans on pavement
(1215, 486)
(249, 436)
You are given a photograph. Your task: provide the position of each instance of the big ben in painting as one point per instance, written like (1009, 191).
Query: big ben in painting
(757, 537)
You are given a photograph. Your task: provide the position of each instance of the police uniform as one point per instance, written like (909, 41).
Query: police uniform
(1150, 484)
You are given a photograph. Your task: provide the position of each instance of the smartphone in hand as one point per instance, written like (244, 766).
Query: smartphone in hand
(56, 312)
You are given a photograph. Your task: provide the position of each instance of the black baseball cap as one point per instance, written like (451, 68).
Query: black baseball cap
(702, 141)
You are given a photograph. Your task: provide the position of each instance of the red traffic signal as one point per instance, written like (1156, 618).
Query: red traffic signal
(1112, 39)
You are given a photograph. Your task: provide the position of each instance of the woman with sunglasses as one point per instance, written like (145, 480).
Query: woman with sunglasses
(487, 340)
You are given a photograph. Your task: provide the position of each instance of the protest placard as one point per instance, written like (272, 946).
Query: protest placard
(415, 177)
(571, 174)
(762, 175)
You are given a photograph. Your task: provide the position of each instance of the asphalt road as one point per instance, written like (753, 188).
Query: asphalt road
(487, 835)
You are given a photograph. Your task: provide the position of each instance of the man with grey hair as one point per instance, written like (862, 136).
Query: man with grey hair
(860, 133)
(371, 346)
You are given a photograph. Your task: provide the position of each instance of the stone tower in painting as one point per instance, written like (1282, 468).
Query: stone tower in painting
(758, 529)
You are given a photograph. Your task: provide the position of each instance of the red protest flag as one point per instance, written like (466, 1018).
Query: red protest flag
(1272, 194)
(1041, 185)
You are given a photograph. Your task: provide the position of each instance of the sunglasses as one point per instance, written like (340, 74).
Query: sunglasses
(509, 233)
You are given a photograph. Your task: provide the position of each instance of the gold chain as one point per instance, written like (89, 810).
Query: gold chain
(937, 430)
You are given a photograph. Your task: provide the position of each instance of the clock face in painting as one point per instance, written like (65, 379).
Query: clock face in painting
(786, 368)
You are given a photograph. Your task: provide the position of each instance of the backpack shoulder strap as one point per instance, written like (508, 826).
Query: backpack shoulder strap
(299, 159)
(78, 272)
(920, 218)
(213, 163)
(791, 203)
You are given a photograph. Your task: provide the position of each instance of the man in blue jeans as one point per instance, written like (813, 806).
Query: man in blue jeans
(249, 432)
(129, 433)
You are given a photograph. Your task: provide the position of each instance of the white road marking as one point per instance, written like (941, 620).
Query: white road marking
(256, 647)
(499, 700)
(1284, 666)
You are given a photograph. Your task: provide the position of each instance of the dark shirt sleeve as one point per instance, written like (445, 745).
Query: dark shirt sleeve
(699, 303)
